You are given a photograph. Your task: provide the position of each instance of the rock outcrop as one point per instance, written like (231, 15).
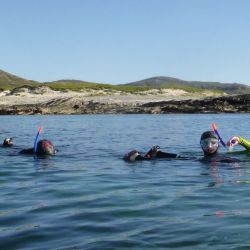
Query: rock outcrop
(71, 105)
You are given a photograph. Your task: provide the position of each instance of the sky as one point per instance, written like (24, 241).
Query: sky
(121, 41)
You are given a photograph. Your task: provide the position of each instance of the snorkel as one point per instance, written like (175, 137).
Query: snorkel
(214, 127)
(40, 129)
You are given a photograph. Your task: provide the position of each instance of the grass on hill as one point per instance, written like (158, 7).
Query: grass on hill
(94, 86)
(124, 88)
(77, 86)
(9, 81)
(19, 85)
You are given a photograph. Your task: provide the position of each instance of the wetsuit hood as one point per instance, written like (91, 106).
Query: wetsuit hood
(209, 143)
(8, 142)
(132, 156)
(45, 147)
(208, 134)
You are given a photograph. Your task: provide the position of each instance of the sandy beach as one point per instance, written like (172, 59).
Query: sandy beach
(25, 96)
(43, 100)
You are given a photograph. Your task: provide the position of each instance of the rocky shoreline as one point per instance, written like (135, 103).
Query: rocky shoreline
(73, 105)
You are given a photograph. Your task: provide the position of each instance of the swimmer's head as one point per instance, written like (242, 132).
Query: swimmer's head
(8, 142)
(45, 147)
(131, 156)
(209, 143)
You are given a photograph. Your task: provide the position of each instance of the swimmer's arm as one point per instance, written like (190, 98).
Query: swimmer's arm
(161, 154)
(244, 143)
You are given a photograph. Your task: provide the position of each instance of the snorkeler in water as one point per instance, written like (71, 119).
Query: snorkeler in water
(153, 153)
(44, 147)
(8, 142)
(41, 148)
(210, 144)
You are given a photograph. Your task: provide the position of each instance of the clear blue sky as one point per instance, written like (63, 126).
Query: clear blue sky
(119, 41)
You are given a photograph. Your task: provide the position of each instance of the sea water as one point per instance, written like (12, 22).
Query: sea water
(87, 197)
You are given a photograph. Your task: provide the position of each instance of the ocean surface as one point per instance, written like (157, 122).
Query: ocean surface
(87, 197)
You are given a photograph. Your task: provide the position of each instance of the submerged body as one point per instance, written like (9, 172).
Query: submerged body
(153, 153)
(44, 147)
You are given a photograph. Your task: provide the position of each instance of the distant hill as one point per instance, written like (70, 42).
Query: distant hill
(9, 81)
(66, 82)
(166, 82)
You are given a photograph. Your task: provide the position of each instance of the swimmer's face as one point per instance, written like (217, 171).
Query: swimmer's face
(8, 142)
(210, 145)
(133, 155)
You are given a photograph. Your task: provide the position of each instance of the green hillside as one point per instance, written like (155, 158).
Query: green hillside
(9, 81)
(78, 85)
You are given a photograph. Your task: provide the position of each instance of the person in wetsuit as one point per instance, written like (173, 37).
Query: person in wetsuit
(210, 144)
(153, 153)
(44, 147)
(8, 142)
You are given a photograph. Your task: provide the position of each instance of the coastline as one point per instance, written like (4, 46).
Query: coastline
(43, 100)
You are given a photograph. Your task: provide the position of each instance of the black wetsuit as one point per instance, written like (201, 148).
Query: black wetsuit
(219, 158)
(153, 153)
(216, 158)
(28, 151)
(160, 154)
